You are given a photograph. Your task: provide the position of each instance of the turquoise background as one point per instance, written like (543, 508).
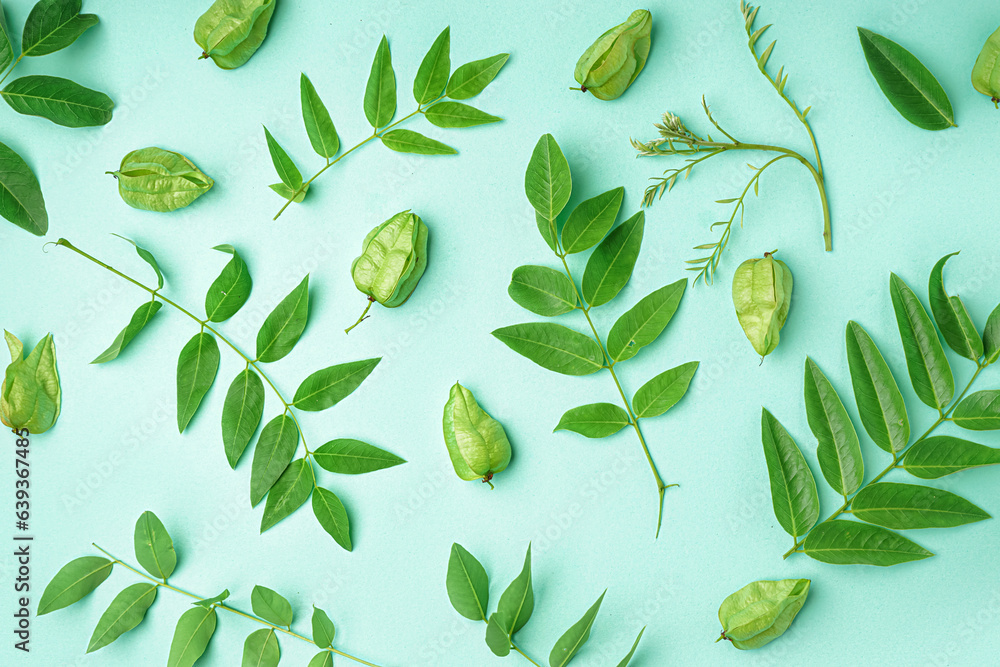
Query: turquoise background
(901, 197)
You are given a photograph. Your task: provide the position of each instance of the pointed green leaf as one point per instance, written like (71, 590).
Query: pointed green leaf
(208, 603)
(140, 318)
(196, 368)
(153, 547)
(838, 448)
(573, 639)
(61, 101)
(283, 327)
(319, 127)
(547, 180)
(146, 257)
(241, 414)
(75, 581)
(261, 649)
(324, 389)
(125, 612)
(53, 25)
(554, 347)
(596, 420)
(793, 487)
(547, 228)
(942, 455)
(288, 493)
(6, 48)
(496, 637)
(468, 584)
(277, 444)
(471, 78)
(380, 93)
(322, 659)
(271, 606)
(663, 391)
(853, 543)
(951, 316)
(991, 337)
(230, 290)
(408, 141)
(929, 369)
(881, 406)
(322, 628)
(353, 457)
(610, 265)
(283, 164)
(456, 114)
(191, 636)
(432, 75)
(908, 506)
(645, 321)
(979, 411)
(518, 601)
(591, 220)
(628, 658)
(332, 515)
(285, 192)
(21, 199)
(542, 290)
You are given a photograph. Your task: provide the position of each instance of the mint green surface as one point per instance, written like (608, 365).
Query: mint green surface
(900, 197)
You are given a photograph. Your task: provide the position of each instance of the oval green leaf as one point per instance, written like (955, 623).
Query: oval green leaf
(991, 336)
(196, 368)
(596, 420)
(6, 48)
(554, 347)
(883, 413)
(230, 290)
(283, 164)
(837, 446)
(353, 457)
(942, 455)
(288, 493)
(496, 637)
(332, 516)
(281, 330)
(456, 114)
(645, 321)
(472, 78)
(929, 369)
(853, 543)
(591, 220)
(979, 411)
(517, 601)
(325, 388)
(140, 318)
(542, 290)
(572, 641)
(793, 487)
(191, 636)
(952, 317)
(261, 649)
(75, 581)
(322, 659)
(663, 391)
(61, 101)
(125, 612)
(21, 199)
(53, 25)
(909, 506)
(547, 228)
(610, 265)
(153, 547)
(322, 628)
(468, 584)
(277, 444)
(380, 93)
(547, 181)
(241, 414)
(271, 606)
(322, 133)
(432, 75)
(408, 141)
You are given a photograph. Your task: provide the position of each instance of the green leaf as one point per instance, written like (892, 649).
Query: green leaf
(663, 391)
(838, 448)
(21, 199)
(288, 493)
(471, 78)
(628, 658)
(951, 316)
(468, 584)
(332, 515)
(883, 413)
(75, 581)
(542, 290)
(853, 543)
(610, 265)
(906, 83)
(207, 603)
(324, 389)
(432, 75)
(645, 321)
(6, 48)
(929, 370)
(277, 444)
(271, 606)
(942, 455)
(230, 290)
(793, 487)
(547, 228)
(596, 420)
(380, 93)
(991, 337)
(322, 659)
(591, 220)
(518, 601)
(907, 506)
(261, 649)
(196, 368)
(283, 164)
(146, 257)
(194, 630)
(53, 25)
(353, 457)
(408, 141)
(554, 347)
(979, 411)
(283, 327)
(573, 639)
(322, 628)
(153, 547)
(285, 192)
(125, 612)
(319, 127)
(241, 414)
(496, 637)
(140, 318)
(547, 180)
(61, 101)
(456, 114)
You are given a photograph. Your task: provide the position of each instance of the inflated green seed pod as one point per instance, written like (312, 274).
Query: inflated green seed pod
(393, 258)
(30, 396)
(611, 64)
(762, 293)
(232, 30)
(986, 71)
(761, 612)
(154, 179)
(476, 442)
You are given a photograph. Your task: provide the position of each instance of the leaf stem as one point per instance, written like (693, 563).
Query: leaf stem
(516, 648)
(364, 315)
(225, 607)
(11, 67)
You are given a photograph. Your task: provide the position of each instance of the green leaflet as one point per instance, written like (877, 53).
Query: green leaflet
(289, 174)
(53, 25)
(907, 506)
(271, 606)
(881, 406)
(906, 83)
(408, 141)
(456, 114)
(645, 321)
(547, 181)
(547, 228)
(6, 48)
(281, 330)
(542, 290)
(208, 603)
(942, 455)
(230, 290)
(321, 659)
(140, 318)
(432, 75)
(793, 487)
(468, 584)
(979, 411)
(853, 543)
(75, 581)
(319, 127)
(288, 494)
(125, 612)
(325, 388)
(663, 391)
(285, 192)
(572, 640)
(196, 369)
(261, 649)
(760, 612)
(277, 443)
(61, 101)
(628, 657)
(332, 516)
(951, 316)
(353, 457)
(472, 78)
(496, 637)
(610, 265)
(191, 636)
(147, 257)
(991, 337)
(241, 414)
(380, 93)
(154, 179)
(554, 347)
(596, 420)
(929, 370)
(322, 628)
(591, 220)
(231, 31)
(517, 601)
(21, 199)
(153, 547)
(838, 448)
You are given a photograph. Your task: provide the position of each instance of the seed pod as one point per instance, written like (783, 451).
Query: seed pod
(232, 30)
(154, 179)
(761, 612)
(986, 71)
(611, 64)
(30, 395)
(762, 293)
(477, 443)
(393, 258)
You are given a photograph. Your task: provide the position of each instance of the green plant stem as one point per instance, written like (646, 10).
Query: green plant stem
(288, 631)
(610, 365)
(515, 647)
(896, 457)
(364, 315)
(11, 68)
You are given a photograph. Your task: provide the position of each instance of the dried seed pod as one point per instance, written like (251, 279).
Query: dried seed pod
(761, 612)
(476, 442)
(154, 179)
(613, 62)
(986, 71)
(232, 30)
(762, 294)
(30, 396)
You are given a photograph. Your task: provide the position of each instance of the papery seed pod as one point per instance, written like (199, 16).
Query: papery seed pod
(154, 179)
(476, 442)
(986, 71)
(761, 612)
(611, 63)
(762, 293)
(393, 258)
(30, 395)
(232, 30)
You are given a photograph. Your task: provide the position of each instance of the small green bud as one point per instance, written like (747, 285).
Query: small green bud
(30, 395)
(761, 612)
(611, 64)
(986, 71)
(476, 442)
(232, 30)
(762, 294)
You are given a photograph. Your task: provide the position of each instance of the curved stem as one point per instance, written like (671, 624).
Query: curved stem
(163, 584)
(364, 315)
